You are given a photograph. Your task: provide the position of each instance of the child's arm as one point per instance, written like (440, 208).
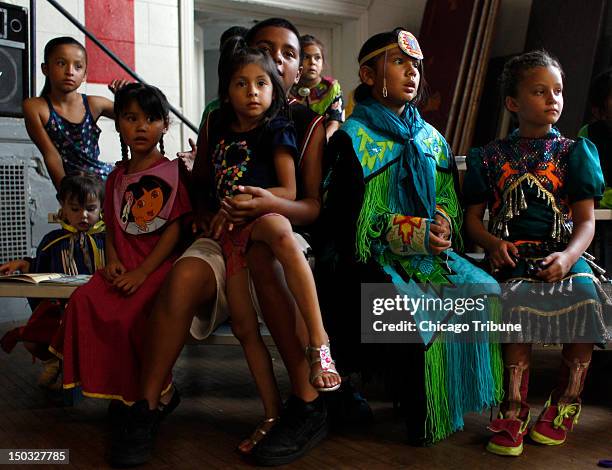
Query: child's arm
(285, 174)
(11, 267)
(301, 212)
(101, 106)
(497, 249)
(114, 267)
(132, 280)
(559, 263)
(38, 134)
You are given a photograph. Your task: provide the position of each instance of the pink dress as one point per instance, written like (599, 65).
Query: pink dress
(103, 329)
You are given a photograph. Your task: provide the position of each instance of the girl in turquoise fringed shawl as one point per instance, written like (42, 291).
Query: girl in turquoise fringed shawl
(392, 215)
(540, 189)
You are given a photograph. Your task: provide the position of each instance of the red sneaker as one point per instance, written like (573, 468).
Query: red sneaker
(554, 423)
(509, 434)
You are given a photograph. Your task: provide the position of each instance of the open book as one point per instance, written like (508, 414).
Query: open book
(48, 278)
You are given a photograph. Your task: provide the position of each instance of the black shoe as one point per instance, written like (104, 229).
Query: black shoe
(132, 443)
(301, 427)
(165, 410)
(117, 414)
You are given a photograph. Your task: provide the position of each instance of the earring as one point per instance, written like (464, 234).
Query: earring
(384, 90)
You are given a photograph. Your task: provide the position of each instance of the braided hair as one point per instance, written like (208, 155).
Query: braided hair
(150, 99)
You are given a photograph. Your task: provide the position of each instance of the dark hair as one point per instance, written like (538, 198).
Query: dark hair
(600, 90)
(310, 40)
(273, 23)
(515, 69)
(50, 47)
(148, 183)
(80, 187)
(234, 56)
(230, 32)
(150, 99)
(377, 41)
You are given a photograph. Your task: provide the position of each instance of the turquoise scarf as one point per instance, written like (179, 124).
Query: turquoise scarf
(417, 191)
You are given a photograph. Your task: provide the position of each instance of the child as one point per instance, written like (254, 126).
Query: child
(600, 130)
(391, 216)
(254, 145)
(62, 122)
(321, 94)
(76, 248)
(540, 189)
(104, 320)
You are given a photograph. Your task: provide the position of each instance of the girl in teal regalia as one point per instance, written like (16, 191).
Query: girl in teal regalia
(392, 215)
(540, 189)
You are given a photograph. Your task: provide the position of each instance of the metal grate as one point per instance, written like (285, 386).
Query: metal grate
(14, 217)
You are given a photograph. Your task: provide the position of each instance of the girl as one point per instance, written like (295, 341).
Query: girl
(321, 94)
(76, 248)
(254, 145)
(104, 321)
(62, 122)
(392, 215)
(196, 285)
(540, 189)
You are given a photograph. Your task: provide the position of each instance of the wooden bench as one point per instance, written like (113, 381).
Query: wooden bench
(221, 336)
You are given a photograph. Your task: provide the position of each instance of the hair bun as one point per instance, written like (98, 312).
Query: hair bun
(234, 45)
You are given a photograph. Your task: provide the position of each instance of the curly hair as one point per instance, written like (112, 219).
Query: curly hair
(515, 69)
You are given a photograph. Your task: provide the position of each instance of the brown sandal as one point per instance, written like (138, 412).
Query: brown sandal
(258, 434)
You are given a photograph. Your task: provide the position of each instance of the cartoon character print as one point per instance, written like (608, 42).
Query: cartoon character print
(142, 204)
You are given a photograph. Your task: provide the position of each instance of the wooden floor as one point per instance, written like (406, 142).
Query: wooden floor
(220, 407)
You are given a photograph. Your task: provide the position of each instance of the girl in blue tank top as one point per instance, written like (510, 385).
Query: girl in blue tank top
(62, 122)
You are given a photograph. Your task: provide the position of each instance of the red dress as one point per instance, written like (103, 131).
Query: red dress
(103, 329)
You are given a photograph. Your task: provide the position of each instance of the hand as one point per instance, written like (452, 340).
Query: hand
(130, 281)
(117, 85)
(189, 157)
(437, 244)
(238, 211)
(557, 265)
(441, 227)
(500, 254)
(112, 270)
(20, 265)
(217, 224)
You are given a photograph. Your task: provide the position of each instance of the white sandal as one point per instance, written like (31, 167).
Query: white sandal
(327, 366)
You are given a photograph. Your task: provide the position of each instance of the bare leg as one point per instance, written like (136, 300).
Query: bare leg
(276, 232)
(246, 328)
(515, 353)
(581, 351)
(282, 318)
(190, 285)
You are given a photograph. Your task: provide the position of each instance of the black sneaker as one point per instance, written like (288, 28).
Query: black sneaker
(132, 443)
(117, 414)
(301, 427)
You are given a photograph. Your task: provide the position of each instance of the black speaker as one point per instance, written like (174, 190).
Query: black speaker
(14, 75)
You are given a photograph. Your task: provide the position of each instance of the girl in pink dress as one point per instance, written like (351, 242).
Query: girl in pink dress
(104, 322)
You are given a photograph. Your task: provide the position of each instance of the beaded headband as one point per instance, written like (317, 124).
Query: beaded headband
(405, 41)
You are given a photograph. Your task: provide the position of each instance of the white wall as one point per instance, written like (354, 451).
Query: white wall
(385, 15)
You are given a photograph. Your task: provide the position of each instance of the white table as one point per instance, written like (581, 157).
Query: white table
(44, 291)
